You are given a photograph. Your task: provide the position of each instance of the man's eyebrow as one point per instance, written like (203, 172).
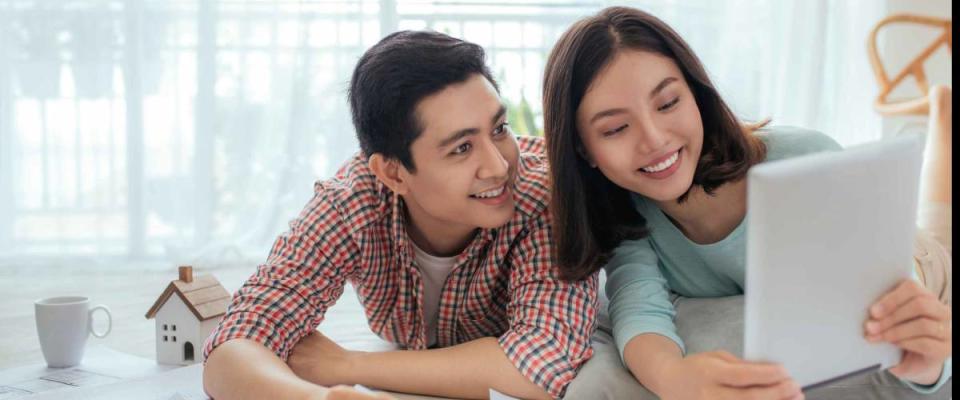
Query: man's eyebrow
(471, 131)
(614, 111)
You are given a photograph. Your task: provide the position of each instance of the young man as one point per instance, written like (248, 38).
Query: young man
(441, 224)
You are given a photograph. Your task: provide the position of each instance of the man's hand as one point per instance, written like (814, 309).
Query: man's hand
(912, 318)
(720, 375)
(348, 393)
(320, 360)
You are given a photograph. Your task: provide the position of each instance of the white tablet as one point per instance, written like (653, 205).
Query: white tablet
(827, 235)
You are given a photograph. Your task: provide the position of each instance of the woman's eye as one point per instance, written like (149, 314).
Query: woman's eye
(669, 105)
(463, 148)
(615, 130)
(500, 129)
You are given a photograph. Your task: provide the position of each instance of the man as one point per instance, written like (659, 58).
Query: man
(441, 225)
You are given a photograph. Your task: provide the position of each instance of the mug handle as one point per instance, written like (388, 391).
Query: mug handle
(109, 321)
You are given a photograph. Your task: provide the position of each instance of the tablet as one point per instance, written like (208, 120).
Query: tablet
(827, 235)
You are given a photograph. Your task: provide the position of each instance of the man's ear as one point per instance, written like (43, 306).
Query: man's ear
(388, 171)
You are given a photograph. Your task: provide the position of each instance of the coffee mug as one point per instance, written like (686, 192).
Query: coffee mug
(63, 325)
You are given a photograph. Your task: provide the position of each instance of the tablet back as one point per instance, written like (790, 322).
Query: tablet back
(827, 235)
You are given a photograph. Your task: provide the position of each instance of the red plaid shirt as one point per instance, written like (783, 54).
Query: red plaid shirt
(504, 284)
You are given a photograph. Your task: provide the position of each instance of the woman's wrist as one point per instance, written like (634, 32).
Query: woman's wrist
(928, 378)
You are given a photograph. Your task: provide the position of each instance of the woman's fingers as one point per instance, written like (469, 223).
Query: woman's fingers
(893, 299)
(784, 390)
(746, 374)
(925, 306)
(915, 328)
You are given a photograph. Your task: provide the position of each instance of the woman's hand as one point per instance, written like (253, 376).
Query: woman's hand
(720, 375)
(912, 318)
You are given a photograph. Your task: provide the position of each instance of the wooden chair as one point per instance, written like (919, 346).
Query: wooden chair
(915, 106)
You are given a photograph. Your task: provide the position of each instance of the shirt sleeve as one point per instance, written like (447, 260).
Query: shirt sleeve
(551, 320)
(639, 296)
(930, 389)
(288, 295)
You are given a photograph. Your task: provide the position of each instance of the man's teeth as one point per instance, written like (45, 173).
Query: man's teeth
(663, 164)
(490, 193)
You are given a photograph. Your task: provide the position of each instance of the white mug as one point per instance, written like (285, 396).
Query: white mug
(63, 325)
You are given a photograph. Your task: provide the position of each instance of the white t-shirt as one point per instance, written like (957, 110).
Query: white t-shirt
(434, 271)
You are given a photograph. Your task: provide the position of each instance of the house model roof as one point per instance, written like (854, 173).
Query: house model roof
(204, 296)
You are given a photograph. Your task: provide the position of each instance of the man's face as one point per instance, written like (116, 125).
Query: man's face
(465, 158)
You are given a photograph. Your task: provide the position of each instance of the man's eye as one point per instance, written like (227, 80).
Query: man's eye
(500, 129)
(463, 148)
(669, 105)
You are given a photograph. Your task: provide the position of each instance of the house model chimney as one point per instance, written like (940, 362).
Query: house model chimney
(186, 273)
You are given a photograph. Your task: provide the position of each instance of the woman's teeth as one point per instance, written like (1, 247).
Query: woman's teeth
(490, 193)
(663, 164)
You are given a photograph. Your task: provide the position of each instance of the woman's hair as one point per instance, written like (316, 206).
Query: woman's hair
(592, 215)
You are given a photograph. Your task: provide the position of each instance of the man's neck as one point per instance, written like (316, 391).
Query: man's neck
(706, 219)
(436, 237)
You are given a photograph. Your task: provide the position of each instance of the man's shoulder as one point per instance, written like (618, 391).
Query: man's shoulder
(355, 192)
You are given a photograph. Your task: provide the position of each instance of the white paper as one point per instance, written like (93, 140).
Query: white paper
(101, 365)
(495, 395)
(184, 383)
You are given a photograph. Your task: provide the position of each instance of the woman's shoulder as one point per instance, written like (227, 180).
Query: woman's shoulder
(790, 141)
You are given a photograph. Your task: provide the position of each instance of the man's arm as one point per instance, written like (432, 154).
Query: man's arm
(244, 369)
(467, 370)
(281, 303)
(551, 322)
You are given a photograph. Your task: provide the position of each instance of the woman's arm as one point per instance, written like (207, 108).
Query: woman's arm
(657, 364)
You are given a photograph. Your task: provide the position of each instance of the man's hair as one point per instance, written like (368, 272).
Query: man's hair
(591, 214)
(394, 75)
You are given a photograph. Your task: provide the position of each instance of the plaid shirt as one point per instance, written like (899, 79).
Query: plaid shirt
(503, 285)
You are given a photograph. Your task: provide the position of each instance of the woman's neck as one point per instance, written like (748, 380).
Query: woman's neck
(707, 219)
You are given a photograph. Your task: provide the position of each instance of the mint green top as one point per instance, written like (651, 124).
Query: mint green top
(641, 273)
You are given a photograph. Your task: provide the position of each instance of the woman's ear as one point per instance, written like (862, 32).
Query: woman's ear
(583, 153)
(388, 172)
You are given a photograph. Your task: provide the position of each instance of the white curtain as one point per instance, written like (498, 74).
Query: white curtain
(155, 132)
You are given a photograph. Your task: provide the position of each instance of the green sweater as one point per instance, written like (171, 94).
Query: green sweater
(641, 273)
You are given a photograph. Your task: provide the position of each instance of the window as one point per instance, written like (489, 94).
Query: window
(164, 338)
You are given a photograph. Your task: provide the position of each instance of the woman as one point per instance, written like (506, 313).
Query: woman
(648, 166)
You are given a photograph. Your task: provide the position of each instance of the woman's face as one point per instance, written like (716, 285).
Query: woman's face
(640, 125)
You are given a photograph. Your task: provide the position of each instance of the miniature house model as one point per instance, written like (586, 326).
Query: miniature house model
(186, 313)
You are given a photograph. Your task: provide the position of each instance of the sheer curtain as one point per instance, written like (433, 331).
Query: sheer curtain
(152, 132)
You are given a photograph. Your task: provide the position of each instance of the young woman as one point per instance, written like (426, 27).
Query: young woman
(648, 168)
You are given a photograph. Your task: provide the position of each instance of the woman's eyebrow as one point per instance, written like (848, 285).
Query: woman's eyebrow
(614, 111)
(663, 84)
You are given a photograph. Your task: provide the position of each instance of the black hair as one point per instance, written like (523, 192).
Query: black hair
(394, 75)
